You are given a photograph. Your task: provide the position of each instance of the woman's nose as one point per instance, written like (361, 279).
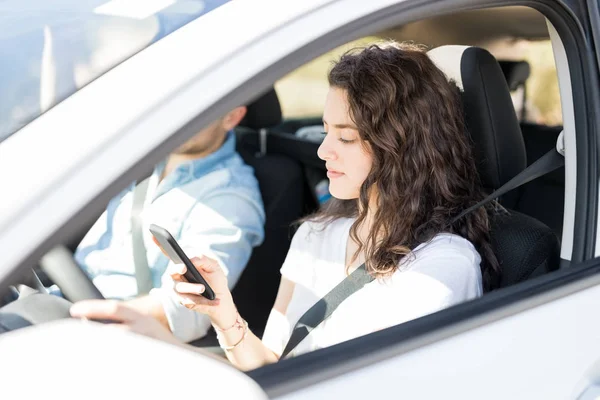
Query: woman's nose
(325, 150)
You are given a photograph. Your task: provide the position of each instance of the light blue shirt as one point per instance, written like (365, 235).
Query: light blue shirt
(212, 206)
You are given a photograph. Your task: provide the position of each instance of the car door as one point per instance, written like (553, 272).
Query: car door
(538, 339)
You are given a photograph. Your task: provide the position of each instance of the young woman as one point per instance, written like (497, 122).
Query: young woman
(401, 169)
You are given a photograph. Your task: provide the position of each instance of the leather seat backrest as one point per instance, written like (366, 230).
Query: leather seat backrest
(281, 184)
(524, 246)
(516, 73)
(489, 112)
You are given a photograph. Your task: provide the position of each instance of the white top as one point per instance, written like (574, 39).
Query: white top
(443, 272)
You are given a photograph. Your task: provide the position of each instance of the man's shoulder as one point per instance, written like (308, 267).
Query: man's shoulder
(241, 173)
(232, 174)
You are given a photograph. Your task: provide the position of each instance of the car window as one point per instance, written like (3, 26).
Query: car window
(50, 50)
(540, 94)
(302, 92)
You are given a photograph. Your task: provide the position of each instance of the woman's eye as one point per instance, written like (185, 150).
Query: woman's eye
(345, 141)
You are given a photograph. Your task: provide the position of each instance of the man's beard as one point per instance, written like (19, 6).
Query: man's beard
(200, 144)
(188, 149)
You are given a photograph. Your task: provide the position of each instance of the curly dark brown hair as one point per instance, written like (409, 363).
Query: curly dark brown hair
(423, 167)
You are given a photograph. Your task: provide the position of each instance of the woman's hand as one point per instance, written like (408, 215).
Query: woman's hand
(221, 310)
(129, 318)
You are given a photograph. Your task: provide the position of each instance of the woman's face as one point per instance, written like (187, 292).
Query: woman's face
(347, 158)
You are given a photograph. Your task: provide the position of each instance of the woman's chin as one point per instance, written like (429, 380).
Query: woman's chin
(342, 194)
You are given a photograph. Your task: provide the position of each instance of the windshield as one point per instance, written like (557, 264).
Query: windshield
(49, 50)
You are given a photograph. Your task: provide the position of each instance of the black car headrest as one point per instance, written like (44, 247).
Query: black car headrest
(490, 115)
(515, 73)
(264, 112)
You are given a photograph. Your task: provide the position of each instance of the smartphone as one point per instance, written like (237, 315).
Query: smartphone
(171, 249)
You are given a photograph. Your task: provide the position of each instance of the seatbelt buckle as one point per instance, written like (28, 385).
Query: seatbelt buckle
(262, 143)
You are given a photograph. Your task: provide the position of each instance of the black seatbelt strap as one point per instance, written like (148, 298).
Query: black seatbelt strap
(544, 165)
(359, 278)
(326, 306)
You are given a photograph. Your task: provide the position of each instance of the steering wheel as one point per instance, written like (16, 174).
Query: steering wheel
(38, 308)
(61, 268)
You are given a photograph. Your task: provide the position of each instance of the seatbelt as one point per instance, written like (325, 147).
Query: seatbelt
(326, 306)
(355, 281)
(544, 165)
(140, 257)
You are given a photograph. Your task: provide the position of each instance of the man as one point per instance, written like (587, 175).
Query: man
(207, 198)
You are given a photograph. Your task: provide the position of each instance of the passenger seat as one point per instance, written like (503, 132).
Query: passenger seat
(281, 184)
(525, 247)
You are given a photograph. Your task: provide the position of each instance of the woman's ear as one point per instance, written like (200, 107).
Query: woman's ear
(234, 117)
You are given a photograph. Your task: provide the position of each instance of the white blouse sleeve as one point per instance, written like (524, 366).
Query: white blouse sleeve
(444, 273)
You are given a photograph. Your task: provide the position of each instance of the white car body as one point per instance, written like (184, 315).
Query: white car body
(544, 345)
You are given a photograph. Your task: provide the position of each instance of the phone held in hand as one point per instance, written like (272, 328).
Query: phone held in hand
(171, 249)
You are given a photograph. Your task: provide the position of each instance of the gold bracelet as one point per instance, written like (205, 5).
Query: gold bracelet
(228, 348)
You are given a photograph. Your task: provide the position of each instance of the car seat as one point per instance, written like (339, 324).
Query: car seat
(525, 247)
(281, 183)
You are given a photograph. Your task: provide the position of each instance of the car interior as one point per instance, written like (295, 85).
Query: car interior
(525, 245)
(527, 226)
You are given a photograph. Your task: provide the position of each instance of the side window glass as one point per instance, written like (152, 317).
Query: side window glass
(302, 92)
(531, 74)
